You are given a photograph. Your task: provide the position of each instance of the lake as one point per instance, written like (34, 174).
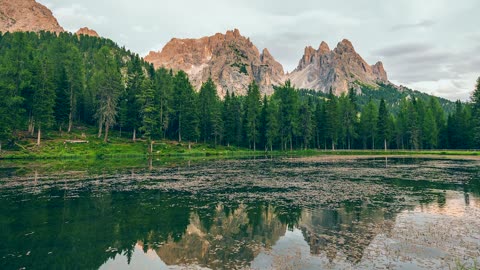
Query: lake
(250, 213)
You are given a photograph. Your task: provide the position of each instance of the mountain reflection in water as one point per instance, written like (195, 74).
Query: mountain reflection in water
(163, 218)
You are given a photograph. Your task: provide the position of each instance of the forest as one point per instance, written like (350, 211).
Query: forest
(51, 82)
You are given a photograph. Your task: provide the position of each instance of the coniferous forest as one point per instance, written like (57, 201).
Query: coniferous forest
(51, 82)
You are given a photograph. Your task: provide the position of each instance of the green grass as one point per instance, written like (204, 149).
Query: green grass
(54, 147)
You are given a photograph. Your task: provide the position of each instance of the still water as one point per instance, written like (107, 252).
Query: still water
(281, 213)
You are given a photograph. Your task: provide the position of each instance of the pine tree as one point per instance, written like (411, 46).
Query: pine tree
(146, 98)
(306, 123)
(109, 86)
(263, 123)
(271, 129)
(332, 123)
(185, 112)
(62, 101)
(43, 97)
(129, 97)
(430, 132)
(287, 99)
(382, 124)
(164, 90)
(321, 125)
(209, 112)
(252, 113)
(368, 123)
(75, 76)
(476, 114)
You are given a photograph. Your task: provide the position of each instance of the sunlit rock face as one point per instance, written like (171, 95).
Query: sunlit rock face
(230, 59)
(26, 15)
(339, 69)
(87, 32)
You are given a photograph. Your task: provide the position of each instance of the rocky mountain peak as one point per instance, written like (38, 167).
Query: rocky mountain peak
(339, 69)
(323, 49)
(26, 15)
(345, 46)
(230, 59)
(87, 31)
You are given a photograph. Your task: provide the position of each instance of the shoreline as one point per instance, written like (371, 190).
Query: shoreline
(303, 154)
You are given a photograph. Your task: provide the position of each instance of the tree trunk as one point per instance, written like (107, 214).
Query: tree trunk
(151, 147)
(0, 147)
(100, 127)
(134, 138)
(39, 135)
(70, 115)
(70, 122)
(107, 127)
(333, 146)
(180, 129)
(385, 143)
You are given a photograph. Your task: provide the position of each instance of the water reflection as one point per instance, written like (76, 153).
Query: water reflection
(144, 226)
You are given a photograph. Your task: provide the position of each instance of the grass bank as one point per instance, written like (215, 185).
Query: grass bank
(84, 144)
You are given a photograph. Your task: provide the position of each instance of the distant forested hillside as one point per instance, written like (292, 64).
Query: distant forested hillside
(392, 95)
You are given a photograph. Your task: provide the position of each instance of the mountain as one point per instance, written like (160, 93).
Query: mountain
(338, 69)
(230, 59)
(233, 62)
(87, 32)
(26, 15)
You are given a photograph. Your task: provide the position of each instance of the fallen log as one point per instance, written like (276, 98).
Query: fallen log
(75, 141)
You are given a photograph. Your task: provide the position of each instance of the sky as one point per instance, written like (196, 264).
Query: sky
(429, 45)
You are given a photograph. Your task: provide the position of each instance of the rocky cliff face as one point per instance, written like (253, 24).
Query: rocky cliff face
(338, 69)
(26, 15)
(87, 32)
(230, 59)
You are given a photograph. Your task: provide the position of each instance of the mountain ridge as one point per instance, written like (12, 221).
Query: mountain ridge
(230, 59)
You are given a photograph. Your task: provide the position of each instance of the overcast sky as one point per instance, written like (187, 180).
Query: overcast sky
(428, 45)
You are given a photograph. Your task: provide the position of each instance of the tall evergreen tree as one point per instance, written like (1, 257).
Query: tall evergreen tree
(109, 86)
(368, 124)
(43, 97)
(209, 112)
(252, 112)
(287, 99)
(74, 70)
(271, 128)
(382, 124)
(146, 98)
(332, 122)
(164, 90)
(306, 123)
(185, 112)
(476, 114)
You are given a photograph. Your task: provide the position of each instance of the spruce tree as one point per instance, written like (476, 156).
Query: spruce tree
(109, 86)
(252, 113)
(43, 97)
(209, 112)
(185, 109)
(148, 113)
(382, 124)
(476, 114)
(368, 124)
(288, 104)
